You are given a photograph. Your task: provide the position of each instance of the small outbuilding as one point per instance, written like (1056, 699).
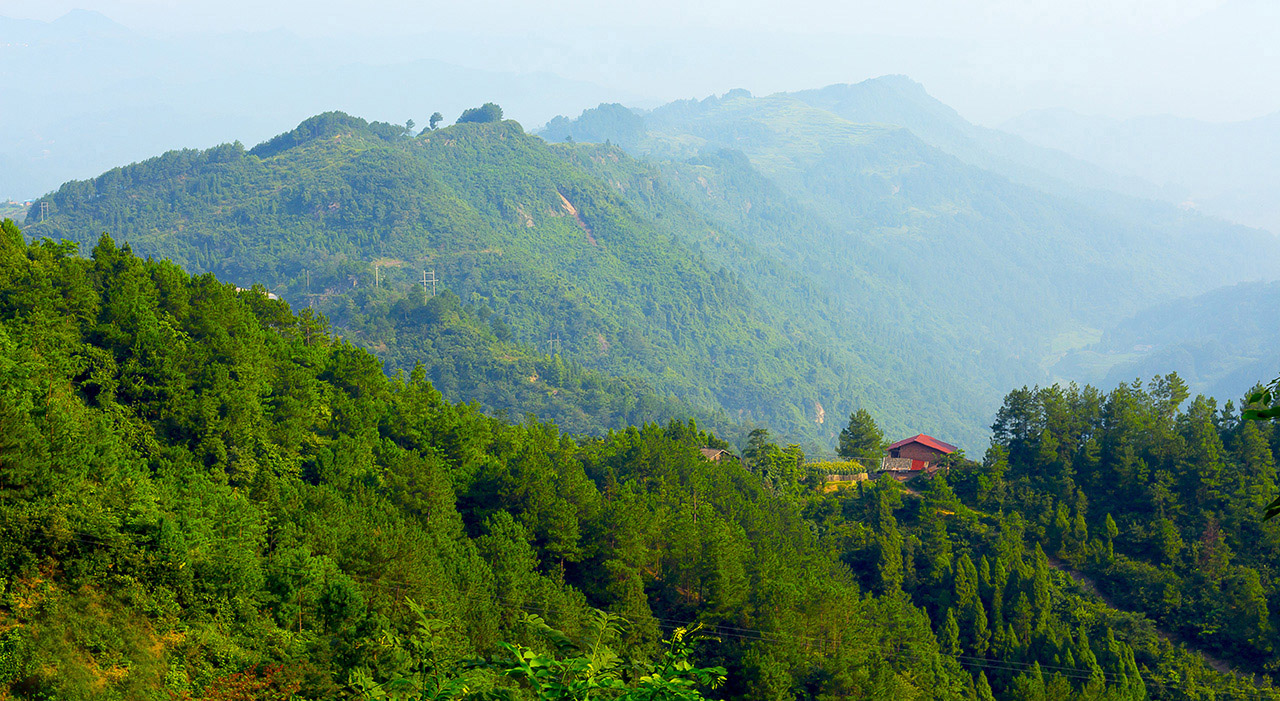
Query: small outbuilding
(713, 454)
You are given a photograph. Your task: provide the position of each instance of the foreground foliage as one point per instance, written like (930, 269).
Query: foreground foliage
(207, 496)
(572, 671)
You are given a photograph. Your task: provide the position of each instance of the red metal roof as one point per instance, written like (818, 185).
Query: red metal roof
(929, 441)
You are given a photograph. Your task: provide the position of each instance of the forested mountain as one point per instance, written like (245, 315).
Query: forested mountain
(536, 250)
(207, 496)
(1221, 343)
(876, 190)
(768, 260)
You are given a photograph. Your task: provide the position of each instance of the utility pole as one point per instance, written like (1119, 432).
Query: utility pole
(377, 282)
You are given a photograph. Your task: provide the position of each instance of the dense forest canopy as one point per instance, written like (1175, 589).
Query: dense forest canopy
(1172, 490)
(205, 492)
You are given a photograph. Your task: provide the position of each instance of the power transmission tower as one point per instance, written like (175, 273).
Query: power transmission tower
(553, 344)
(377, 281)
(44, 210)
(432, 280)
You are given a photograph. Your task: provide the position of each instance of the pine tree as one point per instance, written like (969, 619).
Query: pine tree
(984, 688)
(949, 636)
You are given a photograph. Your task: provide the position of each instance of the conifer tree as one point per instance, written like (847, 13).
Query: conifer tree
(861, 438)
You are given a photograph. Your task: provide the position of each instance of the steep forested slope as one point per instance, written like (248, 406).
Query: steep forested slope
(543, 252)
(1158, 497)
(197, 483)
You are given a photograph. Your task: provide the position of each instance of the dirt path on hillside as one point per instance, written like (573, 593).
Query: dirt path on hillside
(1088, 584)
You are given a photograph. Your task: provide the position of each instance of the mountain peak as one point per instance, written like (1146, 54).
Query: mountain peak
(897, 81)
(322, 126)
(86, 21)
(892, 99)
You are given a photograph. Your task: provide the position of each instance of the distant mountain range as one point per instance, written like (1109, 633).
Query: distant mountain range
(1222, 342)
(1010, 250)
(1231, 170)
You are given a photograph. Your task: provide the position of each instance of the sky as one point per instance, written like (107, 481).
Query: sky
(993, 60)
(993, 19)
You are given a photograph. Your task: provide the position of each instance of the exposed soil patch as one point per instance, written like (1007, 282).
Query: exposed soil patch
(573, 212)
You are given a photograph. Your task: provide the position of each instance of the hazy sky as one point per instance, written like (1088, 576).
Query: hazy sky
(1210, 59)
(990, 18)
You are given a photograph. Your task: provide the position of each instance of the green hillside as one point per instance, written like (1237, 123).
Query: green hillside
(206, 496)
(544, 254)
(767, 261)
(204, 492)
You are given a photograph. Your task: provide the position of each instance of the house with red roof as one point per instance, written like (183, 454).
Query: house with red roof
(914, 456)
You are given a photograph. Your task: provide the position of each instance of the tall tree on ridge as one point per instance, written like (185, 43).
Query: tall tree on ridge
(862, 438)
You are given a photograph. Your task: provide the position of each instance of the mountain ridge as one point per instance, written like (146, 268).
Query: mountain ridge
(483, 204)
(853, 185)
